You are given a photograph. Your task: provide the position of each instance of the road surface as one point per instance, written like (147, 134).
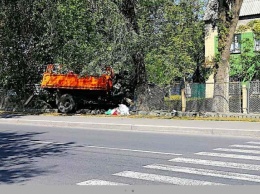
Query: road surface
(44, 155)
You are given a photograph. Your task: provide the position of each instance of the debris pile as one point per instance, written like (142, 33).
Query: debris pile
(120, 110)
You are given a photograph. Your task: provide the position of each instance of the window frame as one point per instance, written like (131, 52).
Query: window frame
(256, 45)
(233, 48)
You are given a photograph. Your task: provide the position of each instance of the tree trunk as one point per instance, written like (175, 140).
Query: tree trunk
(141, 87)
(128, 9)
(228, 18)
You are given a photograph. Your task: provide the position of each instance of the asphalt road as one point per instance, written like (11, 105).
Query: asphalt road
(44, 155)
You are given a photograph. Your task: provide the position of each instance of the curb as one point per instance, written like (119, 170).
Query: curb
(140, 128)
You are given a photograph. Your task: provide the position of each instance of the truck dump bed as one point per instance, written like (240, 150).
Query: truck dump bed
(54, 80)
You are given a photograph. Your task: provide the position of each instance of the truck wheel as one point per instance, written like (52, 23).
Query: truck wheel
(66, 104)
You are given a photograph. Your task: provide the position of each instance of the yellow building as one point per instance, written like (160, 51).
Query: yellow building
(250, 11)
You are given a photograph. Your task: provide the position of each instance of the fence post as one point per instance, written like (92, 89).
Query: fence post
(183, 100)
(245, 98)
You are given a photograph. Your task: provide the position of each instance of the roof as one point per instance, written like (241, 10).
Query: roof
(249, 8)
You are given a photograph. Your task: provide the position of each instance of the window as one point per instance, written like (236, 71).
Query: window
(257, 44)
(236, 44)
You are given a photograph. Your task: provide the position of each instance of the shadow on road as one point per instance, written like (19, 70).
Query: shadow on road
(9, 115)
(18, 155)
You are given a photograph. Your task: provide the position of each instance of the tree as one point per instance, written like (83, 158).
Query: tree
(85, 34)
(136, 17)
(77, 36)
(225, 15)
(24, 43)
(179, 50)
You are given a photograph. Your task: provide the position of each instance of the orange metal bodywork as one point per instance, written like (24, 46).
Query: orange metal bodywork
(72, 81)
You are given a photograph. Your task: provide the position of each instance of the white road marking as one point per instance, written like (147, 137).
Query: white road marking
(46, 142)
(118, 149)
(98, 182)
(217, 163)
(205, 172)
(245, 146)
(246, 157)
(254, 142)
(130, 150)
(238, 150)
(163, 179)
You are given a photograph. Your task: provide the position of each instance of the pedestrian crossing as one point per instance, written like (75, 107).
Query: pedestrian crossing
(99, 183)
(205, 172)
(246, 146)
(254, 142)
(214, 163)
(205, 168)
(234, 156)
(239, 150)
(163, 179)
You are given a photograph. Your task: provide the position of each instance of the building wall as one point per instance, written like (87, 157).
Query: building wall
(211, 42)
(210, 50)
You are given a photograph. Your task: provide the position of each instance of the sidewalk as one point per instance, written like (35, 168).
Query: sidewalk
(192, 127)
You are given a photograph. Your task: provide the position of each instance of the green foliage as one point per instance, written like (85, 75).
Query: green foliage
(25, 44)
(246, 66)
(84, 35)
(76, 34)
(242, 28)
(179, 47)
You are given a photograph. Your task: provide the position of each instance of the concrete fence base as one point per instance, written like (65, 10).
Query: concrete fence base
(158, 113)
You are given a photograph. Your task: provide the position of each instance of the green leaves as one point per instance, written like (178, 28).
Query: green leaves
(246, 66)
(179, 47)
(84, 35)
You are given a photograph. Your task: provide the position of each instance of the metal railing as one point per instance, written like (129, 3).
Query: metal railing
(200, 98)
(254, 97)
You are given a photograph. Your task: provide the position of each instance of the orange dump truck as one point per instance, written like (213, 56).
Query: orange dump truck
(72, 91)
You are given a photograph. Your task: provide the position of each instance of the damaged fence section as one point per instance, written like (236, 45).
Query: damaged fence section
(186, 98)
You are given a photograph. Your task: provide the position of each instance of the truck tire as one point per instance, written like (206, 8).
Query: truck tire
(66, 104)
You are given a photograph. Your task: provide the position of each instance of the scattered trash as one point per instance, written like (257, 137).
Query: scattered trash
(108, 112)
(121, 110)
(129, 101)
(174, 112)
(115, 111)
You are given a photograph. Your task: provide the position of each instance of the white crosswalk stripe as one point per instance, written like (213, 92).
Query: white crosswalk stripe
(163, 179)
(246, 157)
(245, 146)
(250, 151)
(217, 163)
(238, 150)
(99, 182)
(254, 142)
(205, 172)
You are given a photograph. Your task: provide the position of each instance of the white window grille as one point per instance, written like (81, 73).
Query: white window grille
(236, 44)
(257, 45)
